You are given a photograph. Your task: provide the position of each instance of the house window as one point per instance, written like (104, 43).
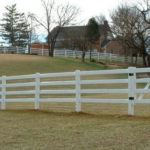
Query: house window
(111, 51)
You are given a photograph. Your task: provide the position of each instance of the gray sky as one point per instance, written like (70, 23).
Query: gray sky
(88, 8)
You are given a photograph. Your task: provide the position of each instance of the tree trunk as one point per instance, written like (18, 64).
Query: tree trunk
(90, 54)
(148, 60)
(29, 49)
(83, 56)
(136, 59)
(51, 51)
(144, 60)
(132, 59)
(49, 45)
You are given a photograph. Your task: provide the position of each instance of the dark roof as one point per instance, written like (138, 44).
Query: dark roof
(77, 30)
(67, 31)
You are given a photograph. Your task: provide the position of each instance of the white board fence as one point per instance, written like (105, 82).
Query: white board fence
(72, 53)
(77, 82)
(95, 55)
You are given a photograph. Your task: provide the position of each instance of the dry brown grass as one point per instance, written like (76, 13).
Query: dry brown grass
(57, 127)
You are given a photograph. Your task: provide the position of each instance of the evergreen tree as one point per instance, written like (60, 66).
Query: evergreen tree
(92, 33)
(14, 27)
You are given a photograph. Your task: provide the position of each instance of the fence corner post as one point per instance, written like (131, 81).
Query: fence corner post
(37, 90)
(78, 96)
(3, 102)
(131, 89)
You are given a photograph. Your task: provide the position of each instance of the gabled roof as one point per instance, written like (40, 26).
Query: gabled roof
(78, 30)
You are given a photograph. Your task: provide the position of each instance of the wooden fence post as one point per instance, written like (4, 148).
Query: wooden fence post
(78, 96)
(131, 89)
(3, 105)
(37, 90)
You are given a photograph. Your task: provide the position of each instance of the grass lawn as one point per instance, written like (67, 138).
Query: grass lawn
(11, 64)
(57, 127)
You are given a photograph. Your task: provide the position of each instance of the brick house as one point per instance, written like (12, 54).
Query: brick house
(113, 46)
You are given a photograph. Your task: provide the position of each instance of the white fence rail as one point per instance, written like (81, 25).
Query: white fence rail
(77, 81)
(96, 55)
(14, 50)
(71, 53)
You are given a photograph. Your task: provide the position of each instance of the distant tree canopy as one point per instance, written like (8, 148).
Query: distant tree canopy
(92, 31)
(100, 19)
(14, 27)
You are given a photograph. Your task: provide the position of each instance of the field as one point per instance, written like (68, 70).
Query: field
(58, 127)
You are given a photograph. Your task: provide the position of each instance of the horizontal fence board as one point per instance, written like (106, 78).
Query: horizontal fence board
(142, 91)
(143, 80)
(20, 77)
(104, 100)
(143, 101)
(67, 100)
(21, 84)
(57, 91)
(64, 74)
(102, 72)
(142, 70)
(18, 100)
(108, 81)
(20, 92)
(57, 83)
(105, 91)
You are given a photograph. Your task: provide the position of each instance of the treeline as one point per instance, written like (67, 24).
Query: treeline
(131, 25)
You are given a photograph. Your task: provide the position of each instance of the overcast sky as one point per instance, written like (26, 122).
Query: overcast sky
(88, 8)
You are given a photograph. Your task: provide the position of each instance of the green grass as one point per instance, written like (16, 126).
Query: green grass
(57, 127)
(27, 64)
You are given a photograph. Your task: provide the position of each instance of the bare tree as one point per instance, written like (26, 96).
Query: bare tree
(144, 7)
(46, 22)
(100, 19)
(32, 29)
(129, 26)
(56, 16)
